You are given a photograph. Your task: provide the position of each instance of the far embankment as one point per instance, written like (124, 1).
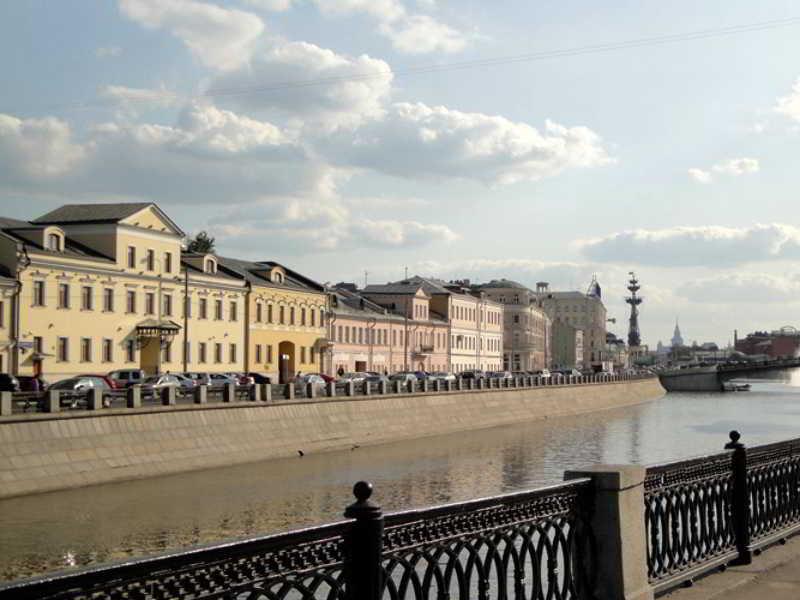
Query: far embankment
(45, 452)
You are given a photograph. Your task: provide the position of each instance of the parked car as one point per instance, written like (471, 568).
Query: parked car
(187, 384)
(544, 374)
(127, 377)
(355, 377)
(112, 384)
(441, 376)
(155, 383)
(8, 383)
(327, 378)
(72, 389)
(258, 378)
(28, 383)
(473, 374)
(312, 378)
(404, 376)
(374, 377)
(500, 375)
(221, 380)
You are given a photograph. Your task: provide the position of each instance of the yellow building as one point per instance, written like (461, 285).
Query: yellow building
(285, 316)
(103, 287)
(8, 288)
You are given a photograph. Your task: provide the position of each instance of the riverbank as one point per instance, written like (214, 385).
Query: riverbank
(60, 451)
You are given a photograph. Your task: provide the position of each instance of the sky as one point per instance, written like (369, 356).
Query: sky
(353, 139)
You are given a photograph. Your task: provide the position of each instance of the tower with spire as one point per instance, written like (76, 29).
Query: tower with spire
(677, 339)
(634, 337)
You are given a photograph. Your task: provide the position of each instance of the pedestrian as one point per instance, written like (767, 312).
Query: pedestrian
(340, 372)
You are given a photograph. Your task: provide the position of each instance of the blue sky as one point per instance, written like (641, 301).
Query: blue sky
(293, 131)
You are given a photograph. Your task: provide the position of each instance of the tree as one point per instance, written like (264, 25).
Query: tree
(202, 243)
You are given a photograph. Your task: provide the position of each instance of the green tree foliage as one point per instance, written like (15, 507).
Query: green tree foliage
(202, 243)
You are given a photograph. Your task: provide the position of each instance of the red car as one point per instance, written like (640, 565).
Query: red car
(327, 378)
(111, 383)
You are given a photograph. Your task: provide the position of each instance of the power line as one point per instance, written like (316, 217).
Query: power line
(455, 66)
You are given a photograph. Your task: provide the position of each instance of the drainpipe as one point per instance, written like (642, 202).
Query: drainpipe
(248, 290)
(23, 262)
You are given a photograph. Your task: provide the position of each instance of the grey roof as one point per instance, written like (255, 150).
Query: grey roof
(92, 213)
(252, 271)
(502, 283)
(354, 304)
(23, 231)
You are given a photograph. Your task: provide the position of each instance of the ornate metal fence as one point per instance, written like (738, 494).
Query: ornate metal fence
(519, 546)
(712, 511)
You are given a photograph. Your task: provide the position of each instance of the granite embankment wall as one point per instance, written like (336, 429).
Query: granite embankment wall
(45, 452)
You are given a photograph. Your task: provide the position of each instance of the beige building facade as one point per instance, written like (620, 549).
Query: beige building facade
(567, 346)
(104, 287)
(526, 327)
(583, 311)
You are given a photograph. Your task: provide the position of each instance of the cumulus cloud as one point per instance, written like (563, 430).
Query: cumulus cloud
(271, 5)
(37, 148)
(345, 91)
(302, 225)
(221, 38)
(409, 33)
(733, 167)
(738, 288)
(789, 105)
(707, 246)
(416, 140)
(209, 156)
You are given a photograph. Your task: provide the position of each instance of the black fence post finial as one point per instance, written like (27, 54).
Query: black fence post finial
(363, 549)
(740, 496)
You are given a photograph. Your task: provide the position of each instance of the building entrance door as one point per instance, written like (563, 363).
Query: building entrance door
(285, 362)
(361, 366)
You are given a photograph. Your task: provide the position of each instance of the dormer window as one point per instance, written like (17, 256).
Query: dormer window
(54, 242)
(277, 275)
(210, 265)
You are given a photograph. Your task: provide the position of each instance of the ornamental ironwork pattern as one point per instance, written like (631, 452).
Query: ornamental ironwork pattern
(687, 515)
(521, 546)
(773, 479)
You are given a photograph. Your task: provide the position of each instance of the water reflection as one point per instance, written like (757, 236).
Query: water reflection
(106, 522)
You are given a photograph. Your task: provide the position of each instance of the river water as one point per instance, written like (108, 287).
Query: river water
(107, 522)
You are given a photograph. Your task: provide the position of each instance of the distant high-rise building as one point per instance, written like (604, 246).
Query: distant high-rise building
(677, 339)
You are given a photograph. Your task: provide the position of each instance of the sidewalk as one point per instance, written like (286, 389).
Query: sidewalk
(775, 575)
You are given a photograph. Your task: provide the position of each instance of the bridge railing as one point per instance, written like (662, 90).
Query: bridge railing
(534, 544)
(705, 513)
(19, 403)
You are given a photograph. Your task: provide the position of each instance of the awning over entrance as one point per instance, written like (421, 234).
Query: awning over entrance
(160, 329)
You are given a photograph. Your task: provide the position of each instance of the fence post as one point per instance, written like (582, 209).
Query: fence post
(229, 392)
(616, 518)
(350, 388)
(201, 394)
(740, 511)
(363, 547)
(367, 388)
(52, 401)
(266, 392)
(255, 393)
(289, 391)
(311, 390)
(384, 387)
(134, 396)
(331, 389)
(6, 403)
(95, 399)
(168, 396)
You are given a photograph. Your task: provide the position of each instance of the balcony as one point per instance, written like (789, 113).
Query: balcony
(423, 350)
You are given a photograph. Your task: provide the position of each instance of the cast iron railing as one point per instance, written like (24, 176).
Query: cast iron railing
(708, 512)
(519, 546)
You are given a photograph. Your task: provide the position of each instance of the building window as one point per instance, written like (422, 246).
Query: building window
(168, 262)
(210, 266)
(302, 354)
(259, 312)
(86, 298)
(281, 315)
(258, 353)
(218, 310)
(151, 260)
(63, 295)
(62, 353)
(233, 353)
(269, 353)
(130, 351)
(86, 350)
(269, 313)
(38, 293)
(168, 305)
(166, 355)
(202, 352)
(130, 301)
(217, 353)
(108, 350)
(108, 300)
(54, 242)
(203, 308)
(313, 317)
(311, 356)
(291, 316)
(302, 316)
(234, 311)
(38, 344)
(149, 303)
(131, 257)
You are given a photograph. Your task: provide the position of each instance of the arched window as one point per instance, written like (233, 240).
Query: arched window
(54, 242)
(210, 265)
